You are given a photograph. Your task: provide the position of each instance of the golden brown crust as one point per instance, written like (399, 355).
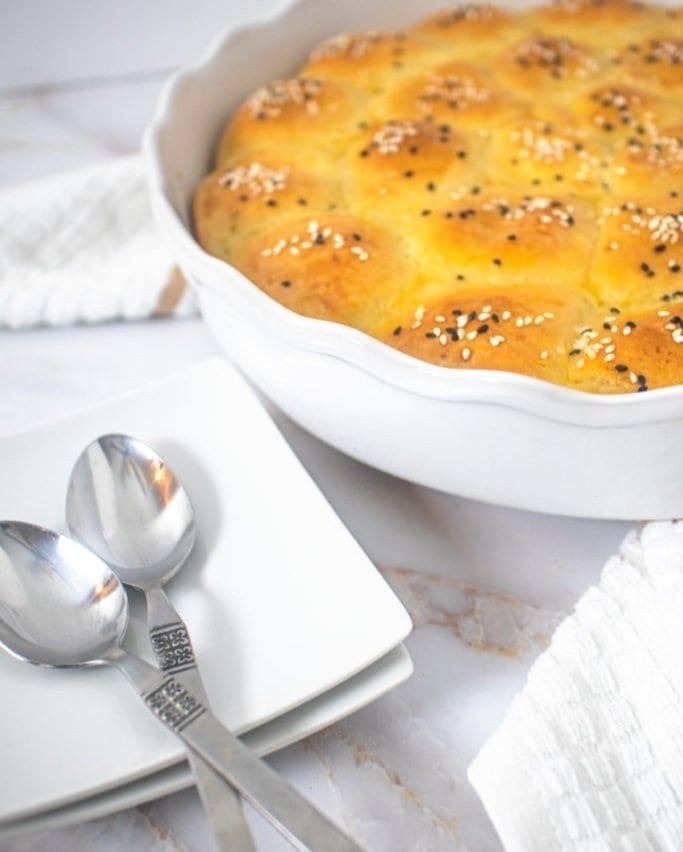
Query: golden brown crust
(493, 328)
(486, 189)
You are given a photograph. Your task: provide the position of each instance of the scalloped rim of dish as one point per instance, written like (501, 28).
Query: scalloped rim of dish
(358, 349)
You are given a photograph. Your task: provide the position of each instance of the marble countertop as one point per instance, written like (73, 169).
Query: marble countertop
(485, 585)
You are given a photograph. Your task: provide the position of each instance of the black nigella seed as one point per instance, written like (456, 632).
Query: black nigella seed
(621, 368)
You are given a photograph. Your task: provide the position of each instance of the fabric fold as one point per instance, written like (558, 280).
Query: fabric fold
(589, 756)
(82, 247)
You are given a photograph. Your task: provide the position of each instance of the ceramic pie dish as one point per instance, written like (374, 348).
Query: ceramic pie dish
(489, 435)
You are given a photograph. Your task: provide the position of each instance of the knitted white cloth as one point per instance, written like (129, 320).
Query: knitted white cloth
(83, 247)
(589, 757)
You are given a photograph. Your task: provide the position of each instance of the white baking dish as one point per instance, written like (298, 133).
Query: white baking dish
(499, 437)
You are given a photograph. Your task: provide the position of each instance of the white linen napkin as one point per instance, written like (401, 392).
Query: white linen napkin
(83, 247)
(589, 756)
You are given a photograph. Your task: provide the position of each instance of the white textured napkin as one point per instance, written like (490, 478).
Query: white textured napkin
(589, 757)
(82, 247)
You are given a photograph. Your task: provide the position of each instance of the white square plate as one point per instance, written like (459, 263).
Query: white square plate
(281, 602)
(352, 694)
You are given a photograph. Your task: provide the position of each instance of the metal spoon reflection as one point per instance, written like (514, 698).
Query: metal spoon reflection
(127, 506)
(60, 605)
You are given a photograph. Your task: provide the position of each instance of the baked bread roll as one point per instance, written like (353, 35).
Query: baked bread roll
(487, 189)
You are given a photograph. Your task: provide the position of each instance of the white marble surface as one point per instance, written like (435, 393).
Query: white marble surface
(484, 585)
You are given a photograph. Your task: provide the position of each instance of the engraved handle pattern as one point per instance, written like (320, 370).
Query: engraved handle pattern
(172, 648)
(174, 705)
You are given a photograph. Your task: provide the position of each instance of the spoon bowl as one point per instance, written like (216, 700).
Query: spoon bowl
(127, 506)
(59, 604)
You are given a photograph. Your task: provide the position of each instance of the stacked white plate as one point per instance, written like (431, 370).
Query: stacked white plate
(292, 625)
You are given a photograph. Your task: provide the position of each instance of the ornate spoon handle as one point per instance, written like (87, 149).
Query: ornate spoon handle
(174, 655)
(181, 711)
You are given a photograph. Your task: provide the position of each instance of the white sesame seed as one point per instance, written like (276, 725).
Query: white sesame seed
(626, 330)
(544, 354)
(466, 354)
(610, 357)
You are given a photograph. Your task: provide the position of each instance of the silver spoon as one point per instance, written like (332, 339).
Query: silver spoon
(60, 605)
(127, 506)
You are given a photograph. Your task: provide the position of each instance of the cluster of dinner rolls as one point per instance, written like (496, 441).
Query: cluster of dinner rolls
(487, 189)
